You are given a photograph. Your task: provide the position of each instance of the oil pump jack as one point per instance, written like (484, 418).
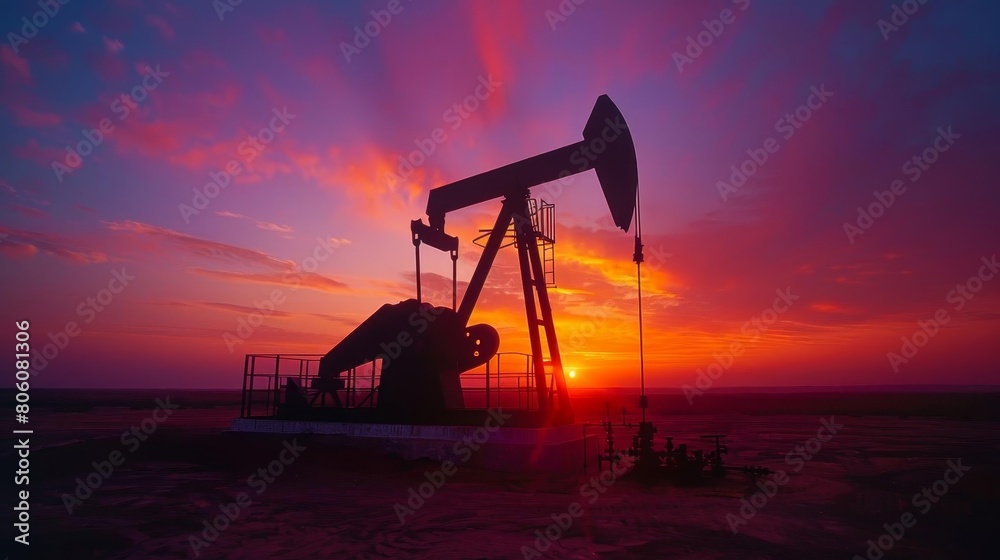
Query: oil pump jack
(421, 350)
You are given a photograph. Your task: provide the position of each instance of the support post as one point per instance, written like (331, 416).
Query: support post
(454, 280)
(486, 260)
(416, 250)
(555, 401)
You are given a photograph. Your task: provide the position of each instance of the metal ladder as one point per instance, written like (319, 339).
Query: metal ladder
(543, 221)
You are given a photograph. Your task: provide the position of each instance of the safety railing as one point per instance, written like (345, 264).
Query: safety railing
(507, 380)
(265, 379)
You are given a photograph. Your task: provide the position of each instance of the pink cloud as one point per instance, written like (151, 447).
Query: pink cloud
(271, 36)
(154, 138)
(43, 155)
(160, 25)
(114, 46)
(201, 247)
(18, 250)
(29, 211)
(14, 63)
(268, 226)
(348, 320)
(309, 280)
(228, 214)
(22, 243)
(108, 66)
(25, 116)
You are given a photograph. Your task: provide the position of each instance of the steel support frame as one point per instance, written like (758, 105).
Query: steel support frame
(556, 398)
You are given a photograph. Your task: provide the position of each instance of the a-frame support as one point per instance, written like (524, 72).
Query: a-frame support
(539, 314)
(552, 397)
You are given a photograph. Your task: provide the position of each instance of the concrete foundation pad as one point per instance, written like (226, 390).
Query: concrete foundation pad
(559, 449)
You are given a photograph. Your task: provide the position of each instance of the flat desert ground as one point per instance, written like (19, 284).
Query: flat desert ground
(334, 501)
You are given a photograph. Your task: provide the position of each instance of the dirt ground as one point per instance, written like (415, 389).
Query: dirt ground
(329, 501)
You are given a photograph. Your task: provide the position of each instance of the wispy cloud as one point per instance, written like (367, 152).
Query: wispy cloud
(296, 280)
(26, 116)
(29, 211)
(15, 64)
(114, 46)
(21, 243)
(348, 320)
(274, 227)
(268, 226)
(202, 247)
(160, 25)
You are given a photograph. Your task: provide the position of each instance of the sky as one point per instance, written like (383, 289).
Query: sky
(183, 183)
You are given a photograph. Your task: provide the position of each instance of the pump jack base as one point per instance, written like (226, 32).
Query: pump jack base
(558, 449)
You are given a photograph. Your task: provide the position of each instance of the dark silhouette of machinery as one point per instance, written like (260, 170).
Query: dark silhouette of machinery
(674, 463)
(421, 351)
(405, 364)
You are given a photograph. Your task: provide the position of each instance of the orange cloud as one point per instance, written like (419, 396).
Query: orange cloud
(830, 307)
(369, 175)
